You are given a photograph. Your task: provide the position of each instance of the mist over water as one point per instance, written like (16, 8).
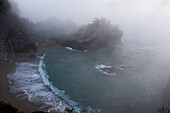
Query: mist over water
(137, 89)
(144, 54)
(144, 19)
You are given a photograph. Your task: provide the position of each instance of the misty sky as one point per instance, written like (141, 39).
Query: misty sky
(83, 11)
(147, 16)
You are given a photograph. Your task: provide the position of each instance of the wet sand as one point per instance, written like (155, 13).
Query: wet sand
(5, 95)
(9, 66)
(24, 105)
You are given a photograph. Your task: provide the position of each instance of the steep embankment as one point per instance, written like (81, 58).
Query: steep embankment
(96, 35)
(13, 39)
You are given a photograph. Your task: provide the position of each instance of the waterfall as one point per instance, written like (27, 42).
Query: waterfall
(12, 49)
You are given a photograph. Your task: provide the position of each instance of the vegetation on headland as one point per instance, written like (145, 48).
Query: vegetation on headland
(13, 38)
(98, 34)
(8, 108)
(163, 109)
(18, 35)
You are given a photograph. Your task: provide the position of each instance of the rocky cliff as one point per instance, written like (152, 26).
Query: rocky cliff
(13, 39)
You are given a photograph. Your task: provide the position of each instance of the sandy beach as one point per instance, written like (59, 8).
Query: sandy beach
(5, 95)
(9, 67)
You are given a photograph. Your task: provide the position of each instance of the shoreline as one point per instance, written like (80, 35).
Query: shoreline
(9, 66)
(5, 95)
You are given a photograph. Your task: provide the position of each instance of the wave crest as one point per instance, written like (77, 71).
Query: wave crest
(30, 81)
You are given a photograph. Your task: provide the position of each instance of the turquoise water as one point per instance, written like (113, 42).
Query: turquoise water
(68, 78)
(136, 90)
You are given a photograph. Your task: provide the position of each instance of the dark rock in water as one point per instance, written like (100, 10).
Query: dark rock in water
(113, 70)
(123, 66)
(110, 70)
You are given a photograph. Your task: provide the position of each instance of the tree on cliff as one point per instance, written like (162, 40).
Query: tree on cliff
(4, 6)
(100, 33)
(12, 35)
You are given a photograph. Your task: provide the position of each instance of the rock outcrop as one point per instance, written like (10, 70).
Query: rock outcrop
(13, 39)
(3, 46)
(99, 34)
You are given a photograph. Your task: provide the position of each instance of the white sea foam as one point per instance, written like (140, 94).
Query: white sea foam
(71, 49)
(30, 81)
(102, 66)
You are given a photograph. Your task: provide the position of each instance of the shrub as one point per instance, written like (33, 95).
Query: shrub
(7, 108)
(100, 33)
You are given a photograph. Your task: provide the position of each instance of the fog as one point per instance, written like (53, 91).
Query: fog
(143, 21)
(139, 18)
(140, 26)
(84, 11)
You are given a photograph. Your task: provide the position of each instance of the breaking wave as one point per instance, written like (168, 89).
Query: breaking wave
(101, 66)
(30, 81)
(71, 49)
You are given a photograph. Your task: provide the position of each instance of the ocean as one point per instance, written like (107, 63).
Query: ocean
(126, 79)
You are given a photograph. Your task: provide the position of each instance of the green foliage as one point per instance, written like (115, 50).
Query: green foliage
(163, 109)
(4, 6)
(7, 108)
(99, 33)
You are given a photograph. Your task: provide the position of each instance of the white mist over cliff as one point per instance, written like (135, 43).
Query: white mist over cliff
(145, 19)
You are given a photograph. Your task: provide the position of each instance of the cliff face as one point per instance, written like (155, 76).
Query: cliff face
(13, 39)
(99, 34)
(4, 10)
(3, 46)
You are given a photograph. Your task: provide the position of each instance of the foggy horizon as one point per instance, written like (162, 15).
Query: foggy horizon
(130, 15)
(82, 12)
(86, 56)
